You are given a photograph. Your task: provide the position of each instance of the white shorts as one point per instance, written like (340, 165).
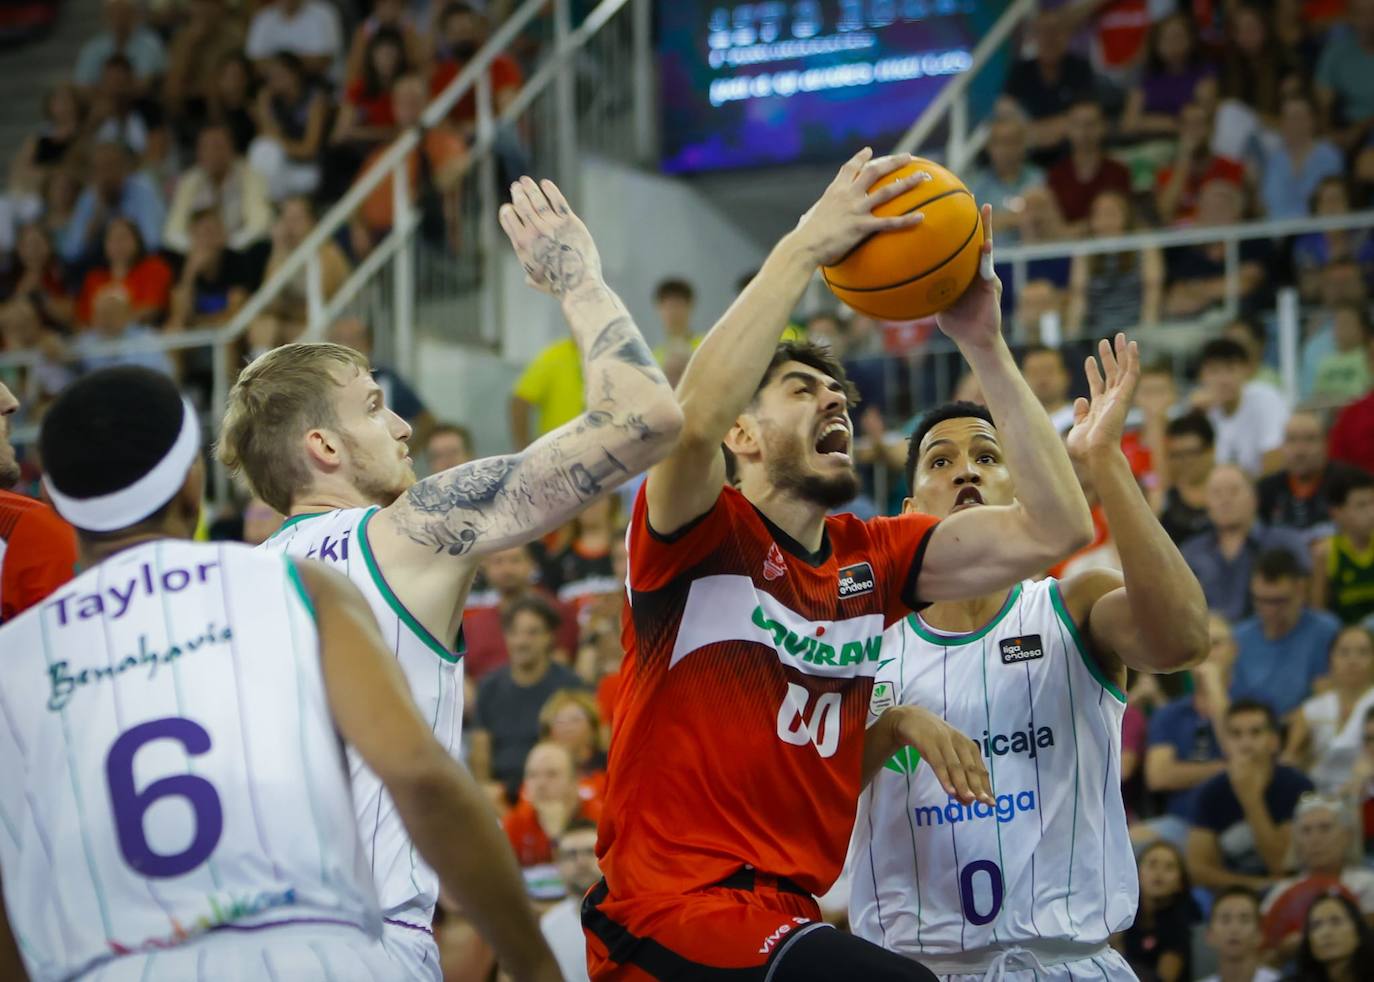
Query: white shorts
(295, 953)
(1019, 966)
(413, 951)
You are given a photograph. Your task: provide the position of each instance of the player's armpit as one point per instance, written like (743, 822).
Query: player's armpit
(980, 550)
(498, 502)
(443, 809)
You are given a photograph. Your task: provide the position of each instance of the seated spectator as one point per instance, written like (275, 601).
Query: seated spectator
(1247, 415)
(208, 35)
(1189, 450)
(551, 386)
(120, 114)
(1159, 944)
(1085, 170)
(535, 822)
(1345, 562)
(1255, 64)
(146, 276)
(1046, 85)
(308, 30)
(228, 101)
(1327, 853)
(674, 299)
(291, 112)
(1144, 442)
(1298, 495)
(509, 699)
(400, 398)
(449, 445)
(1324, 739)
(22, 330)
(387, 15)
(1359, 789)
(1344, 373)
(1178, 184)
(1243, 822)
(1114, 291)
(1297, 162)
(214, 281)
(434, 170)
(1284, 650)
(113, 320)
(1345, 77)
(1352, 435)
(462, 31)
(1174, 70)
(509, 576)
(39, 277)
(1315, 251)
(1197, 274)
(56, 143)
(1251, 334)
(125, 35)
(221, 180)
(1233, 932)
(575, 855)
(1337, 944)
(572, 719)
(284, 318)
(113, 192)
(1224, 557)
(579, 570)
(1182, 750)
(1008, 174)
(1048, 378)
(366, 118)
(1339, 283)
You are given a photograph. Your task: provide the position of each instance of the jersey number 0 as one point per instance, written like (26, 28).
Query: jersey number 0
(800, 723)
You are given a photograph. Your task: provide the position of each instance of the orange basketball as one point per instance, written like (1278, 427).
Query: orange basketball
(914, 272)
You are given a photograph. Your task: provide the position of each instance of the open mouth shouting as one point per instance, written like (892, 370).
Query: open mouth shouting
(832, 442)
(968, 497)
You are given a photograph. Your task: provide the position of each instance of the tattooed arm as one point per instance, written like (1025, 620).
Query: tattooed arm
(631, 419)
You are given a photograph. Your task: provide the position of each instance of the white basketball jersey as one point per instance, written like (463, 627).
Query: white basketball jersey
(408, 888)
(1052, 860)
(168, 762)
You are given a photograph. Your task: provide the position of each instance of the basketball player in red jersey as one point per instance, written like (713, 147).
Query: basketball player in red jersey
(754, 629)
(37, 548)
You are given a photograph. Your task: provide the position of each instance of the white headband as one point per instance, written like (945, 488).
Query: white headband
(129, 506)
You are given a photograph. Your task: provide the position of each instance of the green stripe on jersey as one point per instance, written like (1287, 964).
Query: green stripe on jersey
(1094, 669)
(947, 640)
(392, 601)
(294, 575)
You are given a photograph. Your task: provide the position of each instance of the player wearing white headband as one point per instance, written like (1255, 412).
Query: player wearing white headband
(174, 795)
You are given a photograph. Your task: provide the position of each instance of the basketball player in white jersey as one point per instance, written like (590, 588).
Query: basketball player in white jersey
(174, 797)
(1032, 887)
(307, 426)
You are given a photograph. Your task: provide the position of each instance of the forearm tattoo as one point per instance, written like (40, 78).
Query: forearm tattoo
(621, 340)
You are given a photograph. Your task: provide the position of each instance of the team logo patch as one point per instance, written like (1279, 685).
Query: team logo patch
(774, 565)
(1024, 648)
(856, 580)
(884, 698)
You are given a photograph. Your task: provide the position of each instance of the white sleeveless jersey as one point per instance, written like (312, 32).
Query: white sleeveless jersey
(408, 888)
(1052, 861)
(169, 765)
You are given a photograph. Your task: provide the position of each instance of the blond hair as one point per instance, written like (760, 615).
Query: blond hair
(276, 399)
(584, 701)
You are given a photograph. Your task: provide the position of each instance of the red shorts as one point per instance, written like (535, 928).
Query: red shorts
(687, 935)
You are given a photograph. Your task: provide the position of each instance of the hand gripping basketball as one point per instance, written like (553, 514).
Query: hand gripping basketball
(845, 215)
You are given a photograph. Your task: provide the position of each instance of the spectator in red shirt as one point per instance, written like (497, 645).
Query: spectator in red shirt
(1352, 436)
(37, 548)
(366, 116)
(510, 576)
(146, 277)
(552, 802)
(462, 32)
(1177, 184)
(572, 719)
(1085, 171)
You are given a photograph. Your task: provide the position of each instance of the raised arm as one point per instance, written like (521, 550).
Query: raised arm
(373, 710)
(979, 550)
(1152, 616)
(631, 419)
(726, 369)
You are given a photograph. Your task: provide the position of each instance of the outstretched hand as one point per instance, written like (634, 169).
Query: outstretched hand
(953, 757)
(976, 317)
(1100, 420)
(843, 216)
(554, 247)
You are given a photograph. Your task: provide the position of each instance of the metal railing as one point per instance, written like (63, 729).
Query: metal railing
(951, 106)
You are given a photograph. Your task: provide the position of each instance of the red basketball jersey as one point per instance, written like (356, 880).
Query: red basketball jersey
(744, 692)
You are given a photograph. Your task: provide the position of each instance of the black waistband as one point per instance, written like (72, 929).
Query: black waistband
(745, 879)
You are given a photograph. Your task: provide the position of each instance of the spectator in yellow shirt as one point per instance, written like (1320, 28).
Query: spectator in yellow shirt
(551, 385)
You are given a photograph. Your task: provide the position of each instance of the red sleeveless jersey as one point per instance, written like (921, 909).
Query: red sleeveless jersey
(37, 553)
(744, 693)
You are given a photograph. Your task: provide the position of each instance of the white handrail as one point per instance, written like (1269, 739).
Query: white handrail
(950, 98)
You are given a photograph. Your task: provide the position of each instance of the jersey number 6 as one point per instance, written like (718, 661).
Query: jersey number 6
(131, 805)
(823, 727)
